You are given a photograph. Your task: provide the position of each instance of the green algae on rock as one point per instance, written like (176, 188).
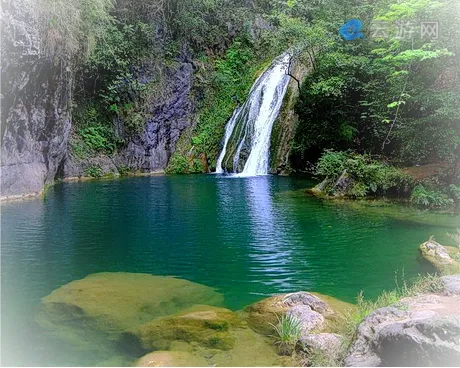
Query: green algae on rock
(110, 303)
(214, 335)
(250, 349)
(205, 325)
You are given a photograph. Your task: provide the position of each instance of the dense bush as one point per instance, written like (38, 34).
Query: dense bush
(430, 198)
(93, 134)
(368, 176)
(454, 192)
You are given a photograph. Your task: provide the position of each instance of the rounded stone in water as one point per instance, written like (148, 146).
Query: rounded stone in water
(114, 302)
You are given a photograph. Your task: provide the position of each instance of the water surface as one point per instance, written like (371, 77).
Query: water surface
(246, 237)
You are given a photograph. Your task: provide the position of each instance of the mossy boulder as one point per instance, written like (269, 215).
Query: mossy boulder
(110, 303)
(442, 258)
(171, 359)
(250, 350)
(302, 304)
(204, 325)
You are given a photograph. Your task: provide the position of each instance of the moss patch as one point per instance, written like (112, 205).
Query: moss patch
(204, 325)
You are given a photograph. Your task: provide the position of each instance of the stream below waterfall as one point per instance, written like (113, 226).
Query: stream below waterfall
(247, 237)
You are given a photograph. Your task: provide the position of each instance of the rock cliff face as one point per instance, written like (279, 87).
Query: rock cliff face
(37, 120)
(36, 96)
(151, 150)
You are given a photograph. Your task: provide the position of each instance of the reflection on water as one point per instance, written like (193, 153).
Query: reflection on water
(247, 237)
(271, 252)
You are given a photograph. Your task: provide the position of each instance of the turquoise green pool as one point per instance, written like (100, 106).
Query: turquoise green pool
(246, 237)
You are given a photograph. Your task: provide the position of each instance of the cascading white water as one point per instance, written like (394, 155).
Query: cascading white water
(249, 130)
(228, 132)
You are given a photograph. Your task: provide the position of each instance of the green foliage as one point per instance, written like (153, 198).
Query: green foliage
(454, 192)
(94, 134)
(370, 176)
(384, 96)
(455, 237)
(332, 164)
(177, 165)
(70, 28)
(94, 171)
(95, 137)
(430, 198)
(287, 333)
(78, 148)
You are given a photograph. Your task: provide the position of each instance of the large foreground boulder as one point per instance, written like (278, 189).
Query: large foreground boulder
(111, 303)
(421, 331)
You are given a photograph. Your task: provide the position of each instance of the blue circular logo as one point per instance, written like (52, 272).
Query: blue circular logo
(351, 30)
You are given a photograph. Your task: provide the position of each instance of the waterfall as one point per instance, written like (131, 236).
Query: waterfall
(247, 136)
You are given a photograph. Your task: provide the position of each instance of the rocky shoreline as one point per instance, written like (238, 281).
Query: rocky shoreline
(163, 321)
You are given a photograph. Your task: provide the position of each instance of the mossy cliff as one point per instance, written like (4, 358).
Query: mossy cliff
(285, 126)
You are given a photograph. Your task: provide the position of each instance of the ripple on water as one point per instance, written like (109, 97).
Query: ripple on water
(246, 237)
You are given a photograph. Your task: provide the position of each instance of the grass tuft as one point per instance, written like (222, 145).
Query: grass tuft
(287, 334)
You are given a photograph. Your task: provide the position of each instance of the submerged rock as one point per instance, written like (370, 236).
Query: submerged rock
(425, 331)
(207, 326)
(171, 359)
(110, 303)
(216, 336)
